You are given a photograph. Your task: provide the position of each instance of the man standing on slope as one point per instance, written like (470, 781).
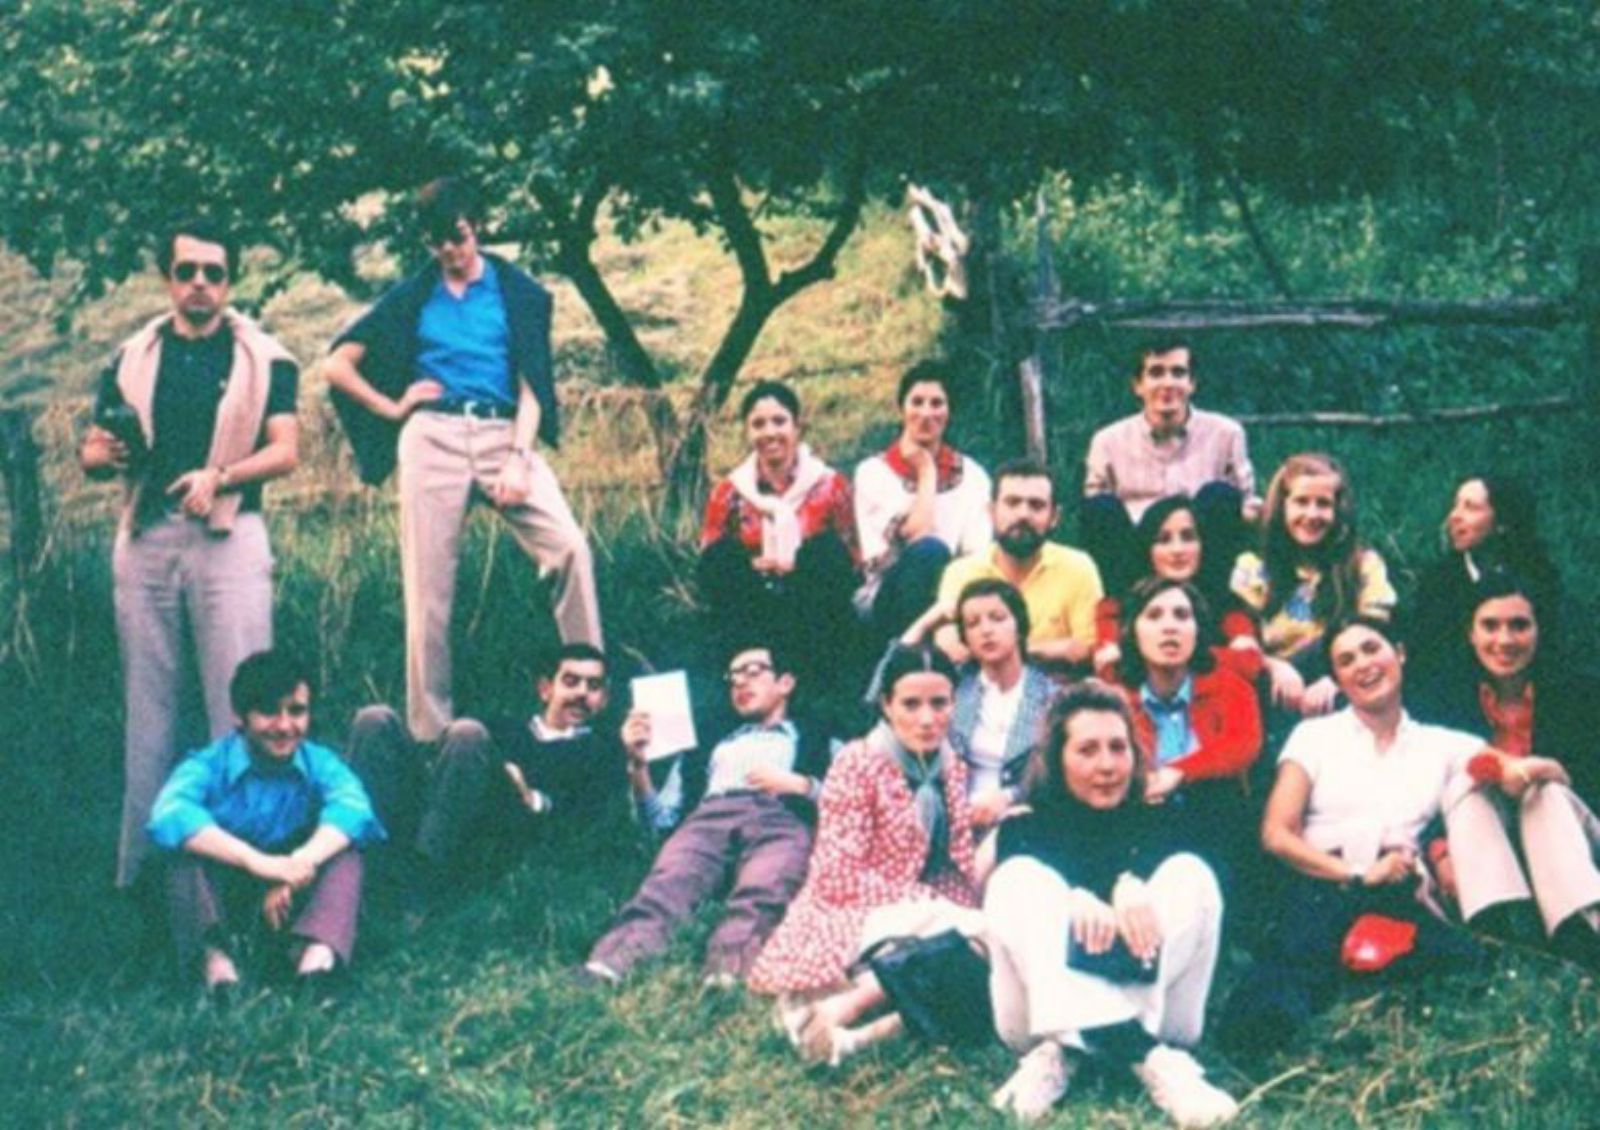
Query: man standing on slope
(454, 365)
(196, 412)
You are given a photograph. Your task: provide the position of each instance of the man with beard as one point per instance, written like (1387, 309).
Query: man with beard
(195, 413)
(1060, 585)
(479, 795)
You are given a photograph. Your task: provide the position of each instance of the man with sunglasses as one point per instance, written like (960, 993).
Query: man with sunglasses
(195, 413)
(743, 810)
(1168, 447)
(448, 376)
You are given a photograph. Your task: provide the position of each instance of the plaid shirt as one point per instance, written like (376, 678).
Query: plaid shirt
(1126, 460)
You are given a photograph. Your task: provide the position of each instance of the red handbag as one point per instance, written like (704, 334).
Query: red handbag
(1375, 942)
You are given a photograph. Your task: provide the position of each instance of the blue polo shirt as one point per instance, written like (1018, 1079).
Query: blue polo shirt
(465, 343)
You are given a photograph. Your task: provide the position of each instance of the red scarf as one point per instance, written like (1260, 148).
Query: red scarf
(946, 462)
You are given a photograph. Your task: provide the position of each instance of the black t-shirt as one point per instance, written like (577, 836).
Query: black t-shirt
(1087, 847)
(189, 387)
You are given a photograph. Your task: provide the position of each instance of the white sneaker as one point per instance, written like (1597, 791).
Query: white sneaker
(1038, 1083)
(1177, 1085)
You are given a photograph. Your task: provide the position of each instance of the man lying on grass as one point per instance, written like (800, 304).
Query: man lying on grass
(463, 808)
(751, 804)
(261, 829)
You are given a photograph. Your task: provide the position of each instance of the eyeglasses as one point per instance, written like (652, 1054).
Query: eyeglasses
(215, 273)
(748, 670)
(1176, 372)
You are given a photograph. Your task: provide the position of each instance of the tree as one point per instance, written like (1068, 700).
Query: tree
(283, 115)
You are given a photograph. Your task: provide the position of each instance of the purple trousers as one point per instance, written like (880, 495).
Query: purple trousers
(748, 845)
(208, 901)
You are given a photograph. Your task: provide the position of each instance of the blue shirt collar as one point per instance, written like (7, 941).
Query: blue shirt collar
(1179, 701)
(787, 728)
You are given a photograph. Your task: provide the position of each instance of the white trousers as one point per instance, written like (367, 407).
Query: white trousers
(1027, 912)
(1557, 834)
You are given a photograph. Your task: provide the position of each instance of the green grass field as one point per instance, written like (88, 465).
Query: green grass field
(473, 1022)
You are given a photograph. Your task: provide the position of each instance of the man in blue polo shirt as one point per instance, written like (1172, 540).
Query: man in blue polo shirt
(449, 378)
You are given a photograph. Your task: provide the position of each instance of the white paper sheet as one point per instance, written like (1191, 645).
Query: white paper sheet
(665, 697)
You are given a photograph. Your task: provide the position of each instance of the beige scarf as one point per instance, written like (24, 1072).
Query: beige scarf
(239, 413)
(780, 513)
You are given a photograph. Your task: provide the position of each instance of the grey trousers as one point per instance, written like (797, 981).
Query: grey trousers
(207, 900)
(748, 843)
(190, 606)
(442, 802)
(445, 461)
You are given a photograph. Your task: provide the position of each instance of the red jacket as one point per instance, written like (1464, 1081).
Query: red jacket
(1226, 718)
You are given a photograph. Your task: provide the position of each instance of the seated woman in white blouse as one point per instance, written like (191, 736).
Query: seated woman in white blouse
(1001, 700)
(1354, 793)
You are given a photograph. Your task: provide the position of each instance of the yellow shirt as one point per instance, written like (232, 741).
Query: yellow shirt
(1061, 592)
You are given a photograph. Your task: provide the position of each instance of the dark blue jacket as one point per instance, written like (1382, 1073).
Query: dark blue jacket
(388, 331)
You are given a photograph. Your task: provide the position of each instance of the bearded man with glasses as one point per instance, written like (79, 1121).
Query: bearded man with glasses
(449, 377)
(195, 413)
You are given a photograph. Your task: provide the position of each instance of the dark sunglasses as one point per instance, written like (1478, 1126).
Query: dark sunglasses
(452, 236)
(216, 274)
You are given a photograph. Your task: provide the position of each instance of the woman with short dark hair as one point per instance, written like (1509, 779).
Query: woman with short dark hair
(778, 547)
(893, 857)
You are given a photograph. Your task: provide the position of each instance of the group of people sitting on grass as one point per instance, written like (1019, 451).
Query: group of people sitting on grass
(1064, 756)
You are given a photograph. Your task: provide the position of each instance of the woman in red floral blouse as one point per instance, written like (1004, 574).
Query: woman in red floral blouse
(893, 856)
(778, 549)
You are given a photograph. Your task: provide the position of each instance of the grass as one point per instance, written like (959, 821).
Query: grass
(473, 1022)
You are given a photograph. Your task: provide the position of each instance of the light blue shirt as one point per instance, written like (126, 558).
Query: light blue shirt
(748, 747)
(1170, 720)
(465, 343)
(269, 806)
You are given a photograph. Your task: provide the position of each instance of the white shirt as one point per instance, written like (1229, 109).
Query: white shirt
(960, 516)
(986, 746)
(1364, 801)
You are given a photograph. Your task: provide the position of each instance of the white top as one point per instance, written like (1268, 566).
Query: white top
(1363, 801)
(960, 515)
(1125, 459)
(986, 746)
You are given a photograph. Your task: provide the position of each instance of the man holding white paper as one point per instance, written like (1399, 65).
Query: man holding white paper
(750, 802)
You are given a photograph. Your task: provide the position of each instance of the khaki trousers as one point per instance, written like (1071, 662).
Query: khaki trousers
(1557, 835)
(445, 462)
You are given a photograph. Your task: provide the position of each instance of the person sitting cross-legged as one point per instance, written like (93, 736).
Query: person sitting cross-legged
(742, 811)
(264, 827)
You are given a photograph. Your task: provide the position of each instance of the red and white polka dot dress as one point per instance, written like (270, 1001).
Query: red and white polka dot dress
(870, 851)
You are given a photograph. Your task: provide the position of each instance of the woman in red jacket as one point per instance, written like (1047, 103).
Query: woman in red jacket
(1200, 722)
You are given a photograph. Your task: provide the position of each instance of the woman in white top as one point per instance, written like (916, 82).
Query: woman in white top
(917, 504)
(1354, 793)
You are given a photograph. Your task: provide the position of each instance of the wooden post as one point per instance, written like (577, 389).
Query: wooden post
(1030, 374)
(19, 465)
(1589, 310)
(1031, 377)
